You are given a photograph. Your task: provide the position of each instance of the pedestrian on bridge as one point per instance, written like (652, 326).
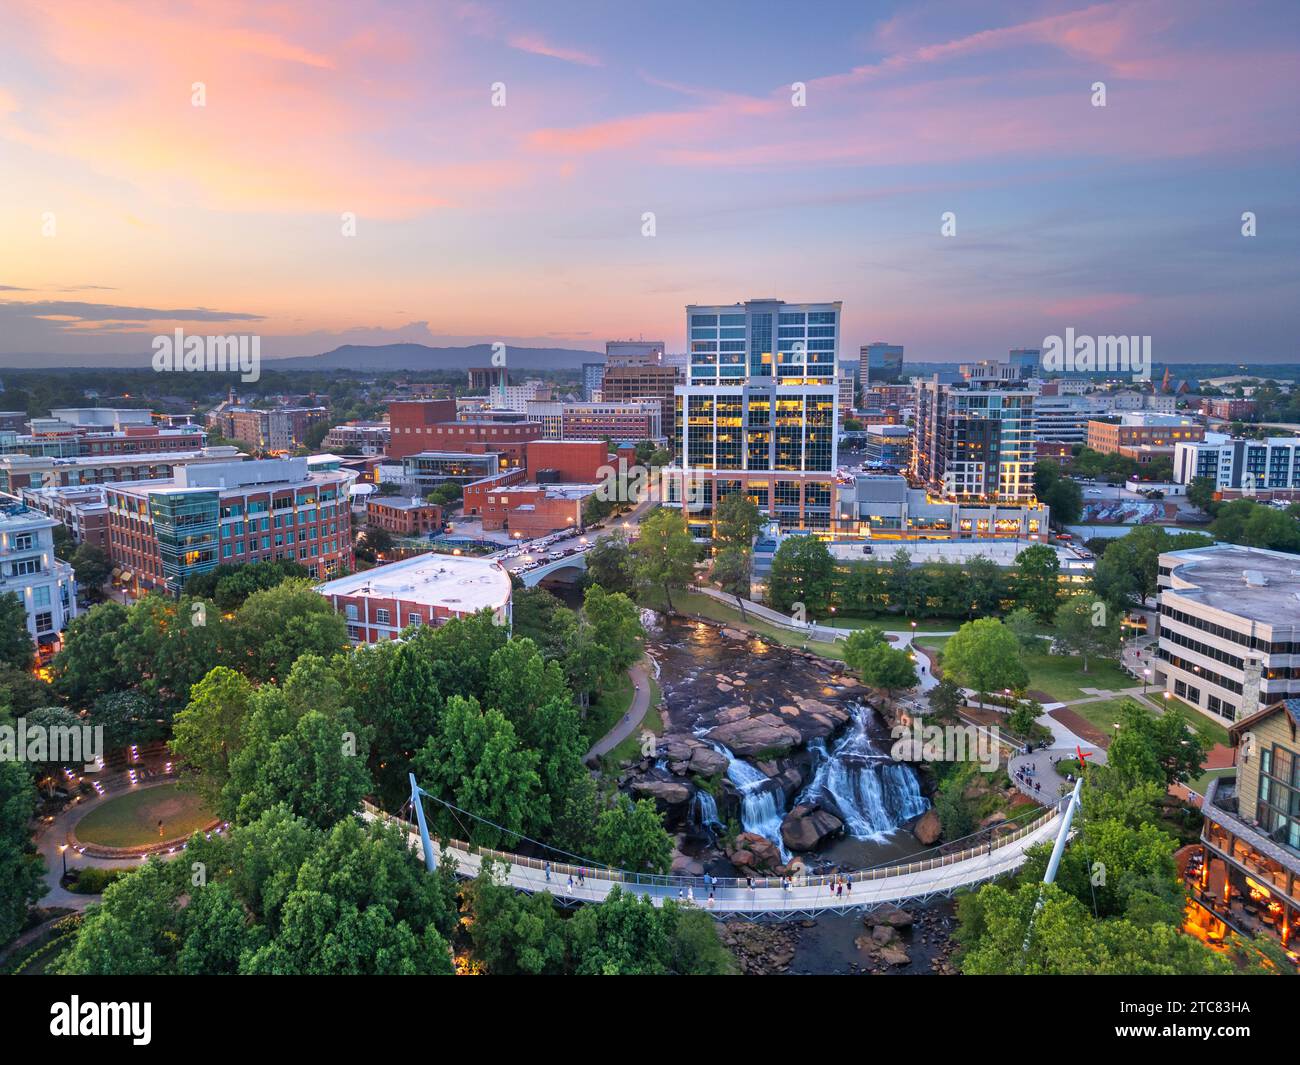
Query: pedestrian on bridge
(548, 872)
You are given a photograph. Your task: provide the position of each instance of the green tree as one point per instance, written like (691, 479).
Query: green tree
(802, 572)
(92, 567)
(1111, 864)
(626, 935)
(665, 553)
(946, 697)
(1021, 720)
(1065, 939)
(1024, 625)
(311, 760)
(736, 521)
(1243, 521)
(611, 564)
(631, 836)
(16, 648)
(128, 717)
(615, 624)
(889, 669)
(277, 625)
(1126, 574)
(859, 644)
(1161, 748)
(477, 763)
(514, 933)
(133, 932)
(361, 905)
(207, 733)
(520, 681)
(1200, 494)
(21, 867)
(731, 571)
(1062, 494)
(984, 656)
(1087, 626)
(1038, 577)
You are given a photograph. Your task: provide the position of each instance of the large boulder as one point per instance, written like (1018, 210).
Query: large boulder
(753, 735)
(928, 828)
(752, 851)
(706, 762)
(806, 826)
(666, 792)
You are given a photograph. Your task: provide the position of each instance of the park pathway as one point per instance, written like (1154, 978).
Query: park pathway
(640, 676)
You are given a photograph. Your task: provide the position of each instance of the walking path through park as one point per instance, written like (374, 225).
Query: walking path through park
(640, 676)
(54, 834)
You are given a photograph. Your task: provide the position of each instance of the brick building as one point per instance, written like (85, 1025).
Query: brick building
(163, 531)
(425, 590)
(544, 496)
(1142, 429)
(403, 516)
(410, 420)
(81, 509)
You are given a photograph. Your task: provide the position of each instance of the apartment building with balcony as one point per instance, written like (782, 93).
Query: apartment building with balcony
(975, 444)
(46, 586)
(1248, 877)
(1264, 469)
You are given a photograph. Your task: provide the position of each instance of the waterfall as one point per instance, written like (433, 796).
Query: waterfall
(762, 804)
(704, 811)
(871, 792)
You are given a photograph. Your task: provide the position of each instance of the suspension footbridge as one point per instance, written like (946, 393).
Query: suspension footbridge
(572, 882)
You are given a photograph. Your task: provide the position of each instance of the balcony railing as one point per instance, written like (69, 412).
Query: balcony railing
(1247, 845)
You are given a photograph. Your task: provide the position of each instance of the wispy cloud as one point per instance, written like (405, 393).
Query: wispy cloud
(537, 45)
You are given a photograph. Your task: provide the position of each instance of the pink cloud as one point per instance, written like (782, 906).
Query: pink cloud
(534, 44)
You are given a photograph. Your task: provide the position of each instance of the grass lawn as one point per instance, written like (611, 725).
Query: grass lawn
(1203, 781)
(131, 819)
(695, 604)
(1105, 712)
(895, 623)
(1211, 730)
(1062, 678)
(1102, 714)
(606, 710)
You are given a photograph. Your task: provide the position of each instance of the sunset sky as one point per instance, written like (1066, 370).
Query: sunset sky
(523, 223)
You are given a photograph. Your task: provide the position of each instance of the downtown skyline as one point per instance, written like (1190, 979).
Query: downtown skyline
(524, 223)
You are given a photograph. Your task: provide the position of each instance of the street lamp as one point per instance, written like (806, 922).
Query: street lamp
(63, 853)
(1146, 679)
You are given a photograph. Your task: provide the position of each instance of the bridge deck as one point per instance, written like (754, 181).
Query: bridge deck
(921, 879)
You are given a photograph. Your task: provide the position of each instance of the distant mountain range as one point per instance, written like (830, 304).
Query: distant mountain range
(423, 357)
(364, 357)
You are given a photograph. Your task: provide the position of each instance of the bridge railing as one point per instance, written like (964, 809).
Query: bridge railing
(659, 880)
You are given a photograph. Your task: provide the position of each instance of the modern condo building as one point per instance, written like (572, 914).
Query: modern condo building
(757, 412)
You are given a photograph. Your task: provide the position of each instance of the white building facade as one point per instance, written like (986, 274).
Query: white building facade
(29, 569)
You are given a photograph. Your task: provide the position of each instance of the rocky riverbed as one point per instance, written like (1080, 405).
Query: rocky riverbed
(779, 743)
(887, 941)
